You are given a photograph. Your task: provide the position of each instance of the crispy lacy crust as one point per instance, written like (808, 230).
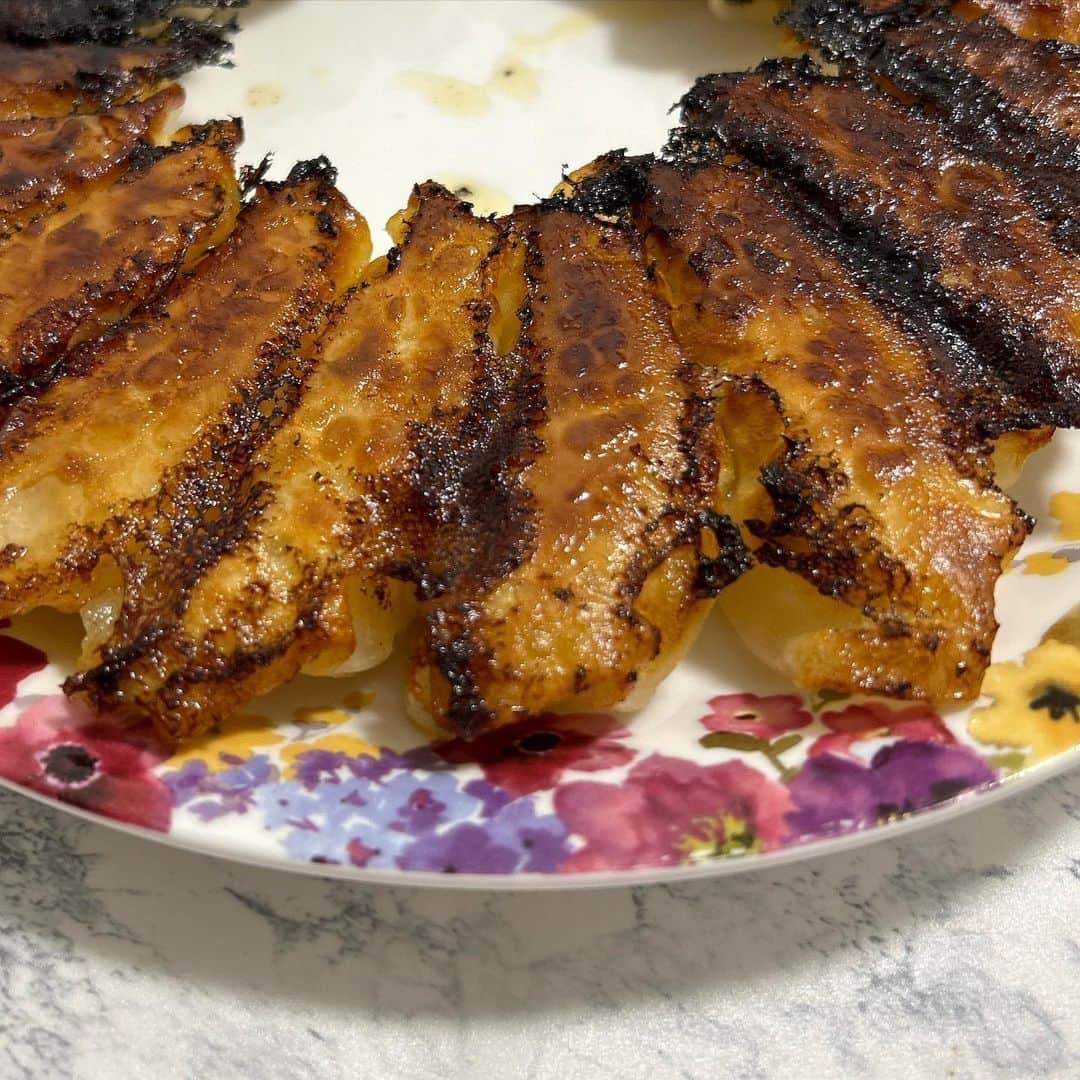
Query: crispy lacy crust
(587, 470)
(44, 162)
(103, 474)
(955, 230)
(307, 574)
(74, 272)
(1041, 19)
(1011, 102)
(848, 470)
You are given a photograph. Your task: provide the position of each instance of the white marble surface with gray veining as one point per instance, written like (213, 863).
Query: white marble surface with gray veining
(952, 953)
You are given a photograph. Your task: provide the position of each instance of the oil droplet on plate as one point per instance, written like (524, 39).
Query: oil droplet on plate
(456, 96)
(513, 76)
(261, 95)
(570, 26)
(1044, 563)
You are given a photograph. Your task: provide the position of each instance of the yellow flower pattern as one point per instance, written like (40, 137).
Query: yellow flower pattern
(1045, 563)
(1065, 506)
(238, 737)
(323, 716)
(1036, 702)
(241, 736)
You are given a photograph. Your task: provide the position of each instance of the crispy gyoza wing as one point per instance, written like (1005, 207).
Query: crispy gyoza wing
(955, 229)
(1043, 19)
(65, 159)
(326, 514)
(848, 470)
(586, 554)
(68, 276)
(112, 466)
(1012, 102)
(56, 80)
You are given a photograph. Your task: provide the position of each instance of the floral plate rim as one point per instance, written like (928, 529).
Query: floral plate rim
(523, 881)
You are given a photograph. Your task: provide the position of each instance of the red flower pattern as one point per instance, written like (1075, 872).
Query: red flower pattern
(17, 661)
(532, 755)
(873, 719)
(59, 748)
(762, 717)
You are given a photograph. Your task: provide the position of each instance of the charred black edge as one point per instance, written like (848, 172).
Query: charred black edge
(899, 272)
(318, 169)
(617, 183)
(107, 75)
(219, 478)
(798, 482)
(251, 177)
(976, 116)
(717, 572)
(99, 22)
(106, 79)
(225, 134)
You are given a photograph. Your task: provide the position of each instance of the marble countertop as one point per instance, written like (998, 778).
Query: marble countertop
(952, 953)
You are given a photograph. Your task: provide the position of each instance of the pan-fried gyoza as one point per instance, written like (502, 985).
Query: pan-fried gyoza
(847, 459)
(784, 364)
(587, 555)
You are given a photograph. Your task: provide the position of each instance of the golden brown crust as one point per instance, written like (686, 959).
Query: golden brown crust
(954, 228)
(65, 159)
(584, 567)
(121, 461)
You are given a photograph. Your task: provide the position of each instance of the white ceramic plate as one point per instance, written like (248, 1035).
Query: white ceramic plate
(727, 768)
